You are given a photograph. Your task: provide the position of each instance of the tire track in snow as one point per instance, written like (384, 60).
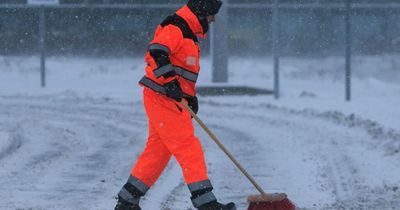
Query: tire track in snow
(81, 145)
(389, 137)
(13, 142)
(340, 168)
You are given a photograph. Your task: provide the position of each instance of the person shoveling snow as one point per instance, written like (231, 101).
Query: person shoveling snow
(171, 73)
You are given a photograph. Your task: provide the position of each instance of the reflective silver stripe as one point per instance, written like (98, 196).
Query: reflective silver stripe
(203, 199)
(179, 71)
(152, 85)
(159, 47)
(186, 74)
(163, 70)
(142, 187)
(156, 87)
(128, 197)
(206, 184)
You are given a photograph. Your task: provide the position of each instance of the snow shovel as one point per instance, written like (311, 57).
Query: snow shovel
(264, 201)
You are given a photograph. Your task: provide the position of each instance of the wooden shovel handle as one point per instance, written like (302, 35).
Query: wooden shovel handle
(221, 146)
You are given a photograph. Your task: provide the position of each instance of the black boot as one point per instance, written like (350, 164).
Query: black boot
(214, 205)
(203, 199)
(122, 206)
(129, 196)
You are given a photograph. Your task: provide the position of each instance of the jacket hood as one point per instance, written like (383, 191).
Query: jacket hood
(192, 20)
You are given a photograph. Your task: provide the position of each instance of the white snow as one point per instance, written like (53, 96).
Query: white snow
(72, 144)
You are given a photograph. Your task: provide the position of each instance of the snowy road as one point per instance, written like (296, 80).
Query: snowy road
(75, 153)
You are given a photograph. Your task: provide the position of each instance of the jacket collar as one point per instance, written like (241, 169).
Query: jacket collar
(192, 20)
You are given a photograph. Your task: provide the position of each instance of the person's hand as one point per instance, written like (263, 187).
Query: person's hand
(193, 103)
(173, 90)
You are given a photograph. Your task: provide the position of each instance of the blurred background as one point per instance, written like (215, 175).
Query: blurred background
(124, 27)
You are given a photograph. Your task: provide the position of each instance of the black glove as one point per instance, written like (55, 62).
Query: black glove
(193, 103)
(173, 90)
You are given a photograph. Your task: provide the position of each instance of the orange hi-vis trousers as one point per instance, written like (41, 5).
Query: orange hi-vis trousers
(171, 132)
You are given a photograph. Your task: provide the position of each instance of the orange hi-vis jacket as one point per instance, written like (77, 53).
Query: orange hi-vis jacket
(183, 50)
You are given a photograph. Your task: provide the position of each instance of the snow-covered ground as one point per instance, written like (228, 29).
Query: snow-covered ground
(72, 144)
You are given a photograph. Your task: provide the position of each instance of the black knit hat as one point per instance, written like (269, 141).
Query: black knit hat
(203, 8)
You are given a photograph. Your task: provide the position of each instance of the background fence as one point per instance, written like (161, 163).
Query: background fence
(306, 28)
(124, 27)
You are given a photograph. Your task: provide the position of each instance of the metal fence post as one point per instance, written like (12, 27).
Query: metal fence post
(219, 46)
(275, 46)
(348, 50)
(42, 45)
